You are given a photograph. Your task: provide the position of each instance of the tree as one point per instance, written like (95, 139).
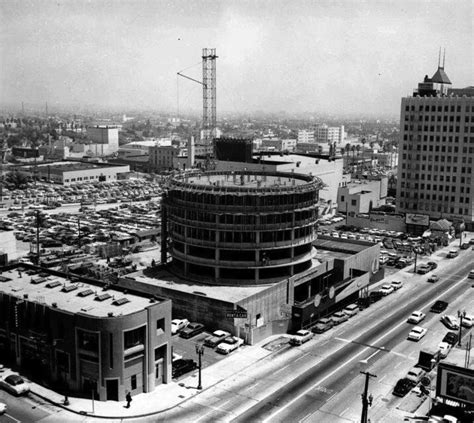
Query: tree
(16, 180)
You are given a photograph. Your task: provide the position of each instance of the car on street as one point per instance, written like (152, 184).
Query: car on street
(217, 337)
(339, 317)
(423, 268)
(375, 296)
(3, 408)
(229, 344)
(416, 317)
(14, 384)
(439, 306)
(432, 264)
(383, 259)
(191, 330)
(386, 289)
(417, 333)
(451, 338)
(452, 253)
(471, 274)
(301, 337)
(433, 278)
(182, 366)
(444, 348)
(449, 321)
(351, 310)
(396, 285)
(322, 325)
(415, 374)
(403, 386)
(178, 324)
(467, 321)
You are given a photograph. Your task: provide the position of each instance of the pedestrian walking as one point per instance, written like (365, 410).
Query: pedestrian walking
(128, 398)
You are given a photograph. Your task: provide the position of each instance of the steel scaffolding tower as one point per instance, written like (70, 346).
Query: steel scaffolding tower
(209, 93)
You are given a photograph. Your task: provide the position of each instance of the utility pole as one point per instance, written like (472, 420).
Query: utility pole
(461, 315)
(366, 398)
(37, 238)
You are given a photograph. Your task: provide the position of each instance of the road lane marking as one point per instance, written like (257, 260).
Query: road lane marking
(344, 364)
(13, 418)
(372, 355)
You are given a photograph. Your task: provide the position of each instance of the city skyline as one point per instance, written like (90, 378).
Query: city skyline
(323, 57)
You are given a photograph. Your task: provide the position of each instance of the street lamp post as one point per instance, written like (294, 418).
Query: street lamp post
(199, 352)
(461, 315)
(462, 226)
(366, 398)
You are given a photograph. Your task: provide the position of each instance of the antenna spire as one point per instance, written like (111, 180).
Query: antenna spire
(444, 56)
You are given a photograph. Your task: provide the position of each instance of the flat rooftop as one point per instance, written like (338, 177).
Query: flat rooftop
(340, 247)
(73, 296)
(246, 181)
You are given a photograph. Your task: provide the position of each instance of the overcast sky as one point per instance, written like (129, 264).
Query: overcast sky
(323, 56)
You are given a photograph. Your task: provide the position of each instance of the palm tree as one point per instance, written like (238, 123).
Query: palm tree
(353, 149)
(363, 141)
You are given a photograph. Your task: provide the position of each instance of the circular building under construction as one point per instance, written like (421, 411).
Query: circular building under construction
(239, 228)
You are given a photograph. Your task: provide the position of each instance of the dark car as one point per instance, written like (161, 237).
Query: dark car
(432, 264)
(423, 269)
(465, 246)
(451, 338)
(392, 261)
(375, 296)
(402, 387)
(182, 366)
(191, 330)
(439, 306)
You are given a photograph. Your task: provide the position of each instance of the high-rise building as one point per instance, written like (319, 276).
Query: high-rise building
(329, 134)
(435, 172)
(305, 136)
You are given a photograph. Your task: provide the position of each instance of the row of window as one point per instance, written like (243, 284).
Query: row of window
(434, 197)
(437, 118)
(408, 175)
(438, 108)
(436, 158)
(437, 148)
(433, 207)
(438, 128)
(437, 138)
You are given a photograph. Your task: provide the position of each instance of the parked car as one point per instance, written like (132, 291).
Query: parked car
(432, 264)
(433, 278)
(439, 306)
(396, 285)
(339, 317)
(402, 387)
(415, 374)
(451, 338)
(450, 322)
(444, 348)
(178, 324)
(417, 333)
(383, 259)
(229, 344)
(14, 384)
(375, 296)
(301, 337)
(217, 337)
(386, 289)
(182, 366)
(351, 310)
(191, 330)
(471, 274)
(3, 408)
(322, 325)
(465, 246)
(416, 317)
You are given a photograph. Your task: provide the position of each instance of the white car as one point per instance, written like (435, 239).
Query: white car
(229, 344)
(386, 289)
(396, 285)
(14, 384)
(301, 337)
(417, 333)
(416, 317)
(468, 321)
(178, 324)
(3, 408)
(444, 348)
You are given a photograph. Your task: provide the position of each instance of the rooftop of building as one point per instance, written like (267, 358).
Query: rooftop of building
(245, 180)
(73, 294)
(339, 248)
(69, 166)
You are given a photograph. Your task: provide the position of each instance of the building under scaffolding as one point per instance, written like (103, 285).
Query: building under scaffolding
(240, 228)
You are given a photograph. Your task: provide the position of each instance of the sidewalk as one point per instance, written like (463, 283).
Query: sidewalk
(234, 370)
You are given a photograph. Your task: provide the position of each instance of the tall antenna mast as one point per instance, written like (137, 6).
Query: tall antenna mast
(444, 56)
(209, 94)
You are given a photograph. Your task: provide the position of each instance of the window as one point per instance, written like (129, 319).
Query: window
(134, 337)
(111, 350)
(133, 381)
(88, 341)
(354, 202)
(160, 326)
(342, 198)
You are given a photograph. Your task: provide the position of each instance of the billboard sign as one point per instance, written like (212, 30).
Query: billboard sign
(417, 219)
(455, 383)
